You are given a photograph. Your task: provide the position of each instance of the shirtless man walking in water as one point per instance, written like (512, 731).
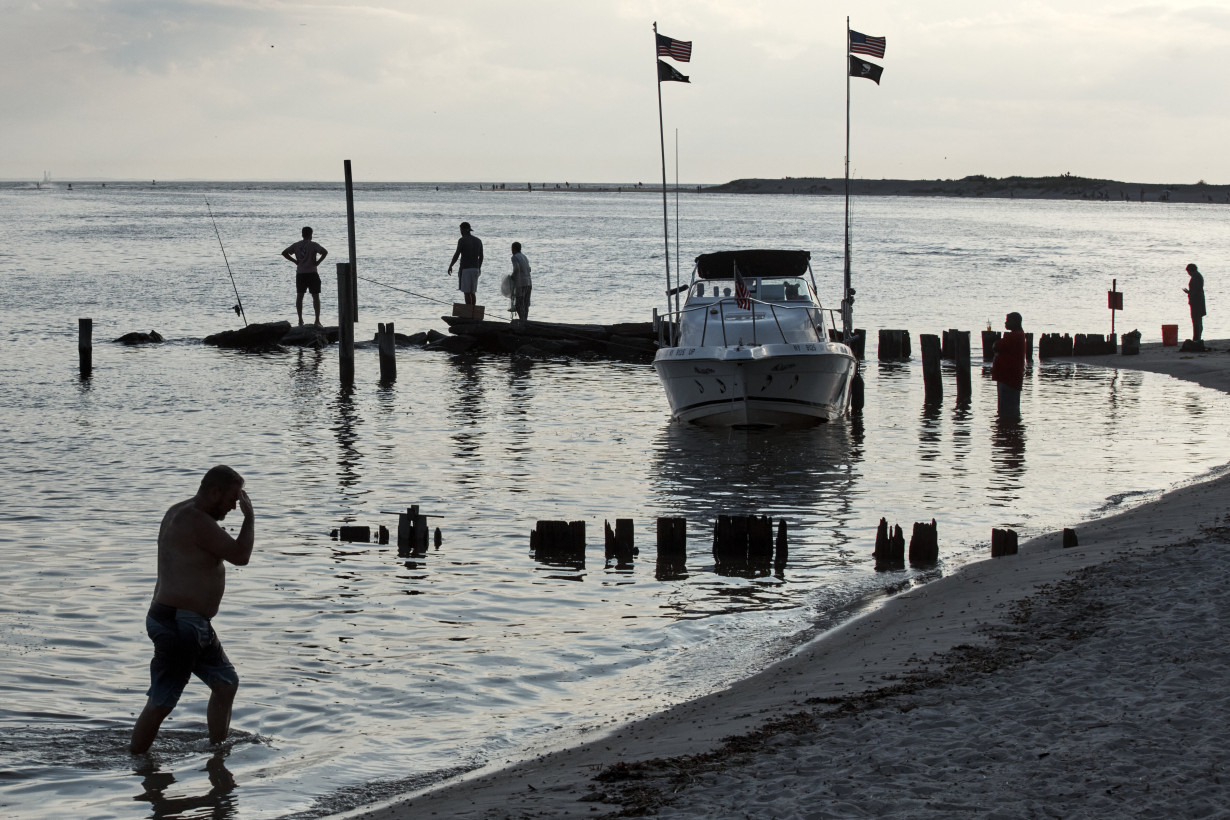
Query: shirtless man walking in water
(192, 549)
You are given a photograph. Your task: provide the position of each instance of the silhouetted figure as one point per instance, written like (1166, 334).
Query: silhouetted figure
(470, 251)
(1008, 368)
(521, 282)
(307, 256)
(1195, 298)
(192, 547)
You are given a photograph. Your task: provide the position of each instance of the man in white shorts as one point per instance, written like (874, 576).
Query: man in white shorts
(470, 251)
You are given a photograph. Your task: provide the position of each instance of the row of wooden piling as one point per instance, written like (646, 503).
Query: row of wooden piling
(895, 345)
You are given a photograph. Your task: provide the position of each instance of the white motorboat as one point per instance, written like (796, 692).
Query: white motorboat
(750, 345)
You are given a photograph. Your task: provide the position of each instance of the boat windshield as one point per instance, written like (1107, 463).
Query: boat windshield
(786, 289)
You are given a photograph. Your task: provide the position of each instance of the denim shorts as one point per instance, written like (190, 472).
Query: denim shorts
(185, 644)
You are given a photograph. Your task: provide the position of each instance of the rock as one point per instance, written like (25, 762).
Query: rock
(255, 336)
(153, 337)
(451, 344)
(306, 336)
(435, 336)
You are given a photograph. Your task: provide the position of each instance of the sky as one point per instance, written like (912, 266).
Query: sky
(565, 90)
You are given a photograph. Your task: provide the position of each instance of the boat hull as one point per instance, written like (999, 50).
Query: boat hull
(780, 385)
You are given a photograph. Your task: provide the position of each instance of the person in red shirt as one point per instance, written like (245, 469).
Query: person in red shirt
(1008, 367)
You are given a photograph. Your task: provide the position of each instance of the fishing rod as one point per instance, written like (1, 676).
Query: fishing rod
(239, 306)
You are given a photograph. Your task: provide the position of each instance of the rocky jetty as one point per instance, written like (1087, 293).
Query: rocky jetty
(628, 341)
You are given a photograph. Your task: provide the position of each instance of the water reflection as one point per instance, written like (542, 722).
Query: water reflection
(218, 803)
(520, 398)
(805, 476)
(467, 414)
(1007, 476)
(346, 429)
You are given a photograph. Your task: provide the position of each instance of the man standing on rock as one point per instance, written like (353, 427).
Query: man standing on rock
(306, 255)
(192, 551)
(470, 251)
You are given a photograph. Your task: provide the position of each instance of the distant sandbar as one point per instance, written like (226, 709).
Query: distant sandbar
(1059, 187)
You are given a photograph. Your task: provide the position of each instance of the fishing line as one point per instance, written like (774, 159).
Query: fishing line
(238, 307)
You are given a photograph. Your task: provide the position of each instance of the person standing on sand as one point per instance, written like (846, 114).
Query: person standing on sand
(306, 255)
(1008, 367)
(1195, 299)
(470, 251)
(521, 282)
(192, 549)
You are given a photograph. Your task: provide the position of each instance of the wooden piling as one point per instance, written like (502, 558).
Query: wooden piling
(960, 353)
(933, 384)
(387, 345)
(897, 548)
(355, 533)
(1069, 538)
(894, 345)
(730, 544)
(884, 548)
(1003, 542)
(924, 544)
(782, 553)
(354, 266)
(672, 547)
(345, 326)
(559, 542)
(411, 532)
(85, 346)
(759, 543)
(438, 539)
(989, 338)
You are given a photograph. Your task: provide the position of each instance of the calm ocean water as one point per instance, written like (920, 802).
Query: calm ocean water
(365, 675)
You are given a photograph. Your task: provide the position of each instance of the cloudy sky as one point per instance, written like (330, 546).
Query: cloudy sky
(554, 90)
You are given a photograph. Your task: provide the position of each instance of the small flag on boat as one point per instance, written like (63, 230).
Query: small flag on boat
(742, 298)
(668, 72)
(862, 68)
(677, 49)
(862, 44)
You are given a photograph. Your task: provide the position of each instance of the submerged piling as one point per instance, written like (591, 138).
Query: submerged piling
(672, 547)
(933, 383)
(85, 346)
(386, 344)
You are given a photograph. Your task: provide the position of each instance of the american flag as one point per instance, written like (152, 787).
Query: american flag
(675, 49)
(742, 298)
(862, 44)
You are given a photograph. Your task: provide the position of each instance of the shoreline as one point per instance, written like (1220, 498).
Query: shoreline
(1017, 628)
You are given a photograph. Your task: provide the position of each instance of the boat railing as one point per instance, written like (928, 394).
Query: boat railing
(773, 307)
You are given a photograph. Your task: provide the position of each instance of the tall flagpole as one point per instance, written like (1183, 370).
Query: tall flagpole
(847, 307)
(662, 142)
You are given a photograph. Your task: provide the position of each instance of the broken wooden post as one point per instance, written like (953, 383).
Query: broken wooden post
(672, 546)
(1003, 542)
(387, 345)
(882, 547)
(730, 544)
(85, 346)
(411, 532)
(1069, 537)
(897, 548)
(384, 534)
(960, 354)
(345, 326)
(759, 543)
(924, 544)
(933, 384)
(559, 541)
(625, 547)
(894, 344)
(438, 538)
(355, 533)
(782, 553)
(989, 338)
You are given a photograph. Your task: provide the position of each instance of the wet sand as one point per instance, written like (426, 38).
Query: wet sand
(1085, 681)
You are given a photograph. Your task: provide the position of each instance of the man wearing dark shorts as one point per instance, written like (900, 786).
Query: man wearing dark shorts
(306, 255)
(192, 549)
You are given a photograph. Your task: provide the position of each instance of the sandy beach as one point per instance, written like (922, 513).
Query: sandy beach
(1087, 681)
